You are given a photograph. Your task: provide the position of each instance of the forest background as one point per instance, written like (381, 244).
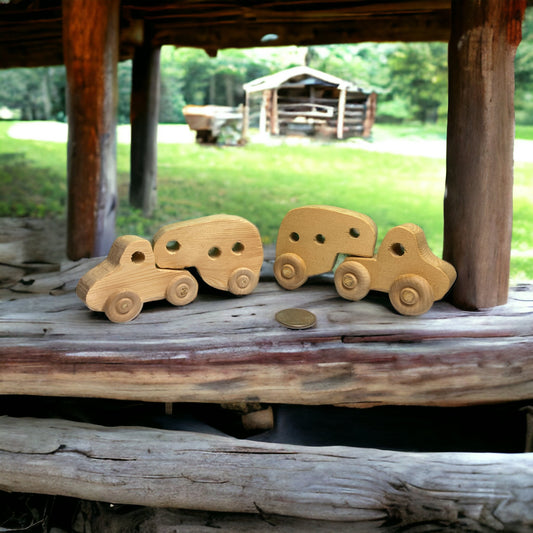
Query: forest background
(410, 79)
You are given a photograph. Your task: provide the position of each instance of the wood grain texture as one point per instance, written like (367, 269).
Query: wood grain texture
(144, 116)
(187, 470)
(478, 207)
(90, 46)
(226, 349)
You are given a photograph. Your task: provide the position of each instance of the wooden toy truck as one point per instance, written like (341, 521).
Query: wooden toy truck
(226, 250)
(404, 266)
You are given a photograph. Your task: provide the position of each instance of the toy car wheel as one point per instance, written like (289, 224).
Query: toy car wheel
(290, 271)
(411, 295)
(123, 305)
(352, 280)
(242, 281)
(182, 289)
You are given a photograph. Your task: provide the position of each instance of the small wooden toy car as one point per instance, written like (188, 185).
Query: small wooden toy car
(128, 277)
(311, 237)
(226, 250)
(404, 266)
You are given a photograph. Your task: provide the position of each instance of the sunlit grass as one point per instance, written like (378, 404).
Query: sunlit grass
(261, 183)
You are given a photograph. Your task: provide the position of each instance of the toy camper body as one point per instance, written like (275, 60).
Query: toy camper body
(225, 249)
(310, 239)
(128, 277)
(404, 267)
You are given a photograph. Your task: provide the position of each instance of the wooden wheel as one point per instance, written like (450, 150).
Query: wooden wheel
(352, 280)
(123, 305)
(182, 289)
(242, 281)
(290, 271)
(411, 295)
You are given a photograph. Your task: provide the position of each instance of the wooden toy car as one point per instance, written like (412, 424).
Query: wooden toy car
(404, 266)
(225, 249)
(128, 277)
(310, 238)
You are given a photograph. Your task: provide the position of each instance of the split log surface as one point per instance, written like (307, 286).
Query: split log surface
(478, 207)
(205, 472)
(90, 45)
(222, 349)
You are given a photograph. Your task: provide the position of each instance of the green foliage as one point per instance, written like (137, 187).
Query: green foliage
(262, 183)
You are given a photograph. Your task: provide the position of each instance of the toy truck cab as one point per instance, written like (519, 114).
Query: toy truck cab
(128, 277)
(404, 266)
(226, 250)
(311, 237)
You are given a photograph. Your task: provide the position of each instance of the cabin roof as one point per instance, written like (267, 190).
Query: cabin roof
(301, 75)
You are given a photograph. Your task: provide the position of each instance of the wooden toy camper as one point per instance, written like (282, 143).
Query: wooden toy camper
(310, 239)
(226, 251)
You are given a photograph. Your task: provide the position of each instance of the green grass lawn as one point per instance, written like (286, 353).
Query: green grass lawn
(262, 183)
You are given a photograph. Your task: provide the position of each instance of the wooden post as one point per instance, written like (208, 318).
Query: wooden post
(90, 44)
(144, 119)
(340, 112)
(264, 112)
(245, 117)
(274, 114)
(478, 206)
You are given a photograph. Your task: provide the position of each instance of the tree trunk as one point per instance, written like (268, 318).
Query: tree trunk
(90, 42)
(145, 95)
(478, 208)
(464, 491)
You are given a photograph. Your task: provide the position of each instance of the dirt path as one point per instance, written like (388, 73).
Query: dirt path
(180, 133)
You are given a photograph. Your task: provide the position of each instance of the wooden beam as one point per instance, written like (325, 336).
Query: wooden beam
(478, 208)
(90, 46)
(340, 113)
(141, 466)
(145, 95)
(219, 349)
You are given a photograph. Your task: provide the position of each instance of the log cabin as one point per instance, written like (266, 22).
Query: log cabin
(477, 352)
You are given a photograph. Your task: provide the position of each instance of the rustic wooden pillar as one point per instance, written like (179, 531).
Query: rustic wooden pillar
(274, 113)
(90, 48)
(144, 118)
(341, 109)
(478, 206)
(245, 117)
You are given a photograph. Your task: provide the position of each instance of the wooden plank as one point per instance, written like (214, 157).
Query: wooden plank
(470, 491)
(90, 46)
(478, 207)
(144, 119)
(228, 349)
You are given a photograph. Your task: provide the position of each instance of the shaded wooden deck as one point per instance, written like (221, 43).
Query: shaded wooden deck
(222, 348)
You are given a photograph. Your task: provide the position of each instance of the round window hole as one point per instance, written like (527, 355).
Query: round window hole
(397, 249)
(238, 248)
(214, 252)
(137, 257)
(320, 238)
(294, 237)
(355, 233)
(173, 246)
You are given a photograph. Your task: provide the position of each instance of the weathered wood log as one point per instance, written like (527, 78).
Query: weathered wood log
(206, 472)
(144, 119)
(478, 207)
(90, 46)
(228, 349)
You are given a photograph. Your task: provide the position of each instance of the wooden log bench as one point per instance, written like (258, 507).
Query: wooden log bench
(222, 349)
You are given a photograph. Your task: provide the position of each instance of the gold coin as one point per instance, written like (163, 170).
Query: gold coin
(296, 318)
